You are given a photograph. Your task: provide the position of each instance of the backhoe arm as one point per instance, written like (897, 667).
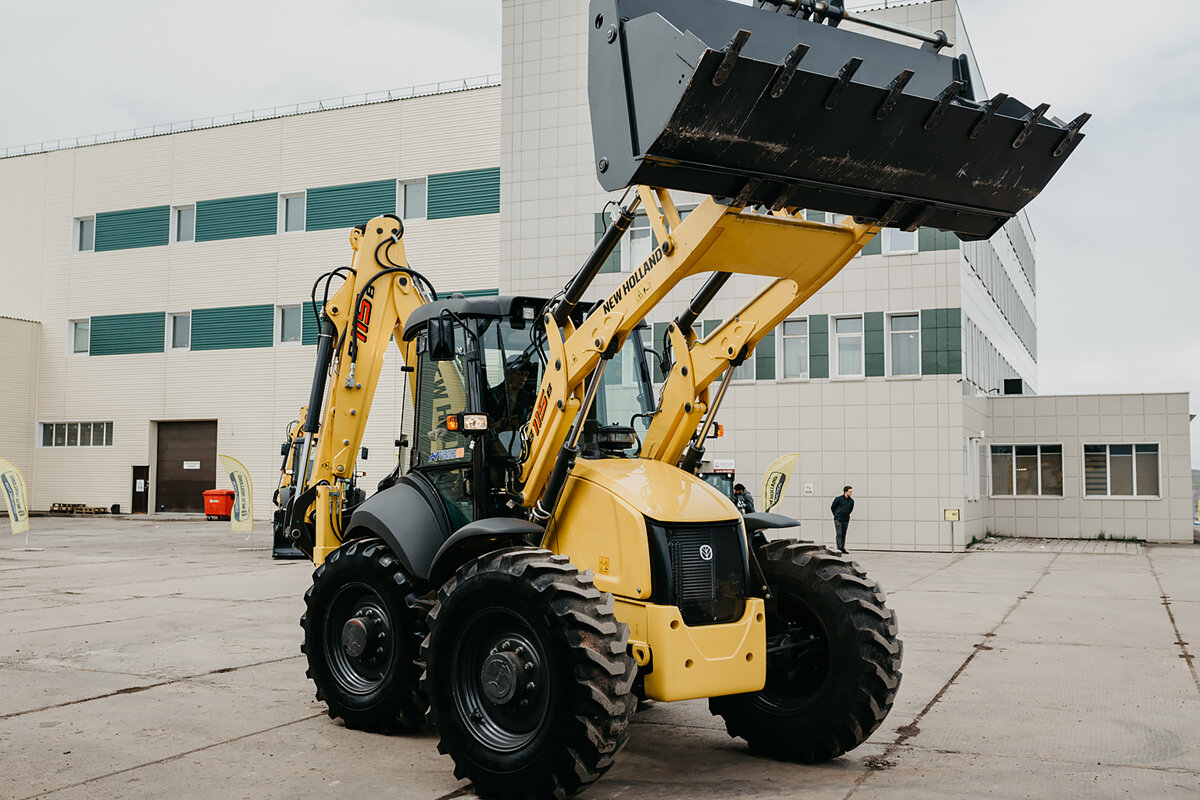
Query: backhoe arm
(821, 252)
(364, 315)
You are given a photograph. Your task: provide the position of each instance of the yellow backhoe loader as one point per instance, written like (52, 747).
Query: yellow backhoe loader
(548, 556)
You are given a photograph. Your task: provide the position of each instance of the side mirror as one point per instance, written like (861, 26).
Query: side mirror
(441, 339)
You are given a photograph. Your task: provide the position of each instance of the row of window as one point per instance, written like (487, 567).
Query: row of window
(1109, 470)
(289, 326)
(77, 434)
(291, 216)
(902, 351)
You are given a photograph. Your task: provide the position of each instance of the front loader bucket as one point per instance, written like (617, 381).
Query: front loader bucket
(763, 107)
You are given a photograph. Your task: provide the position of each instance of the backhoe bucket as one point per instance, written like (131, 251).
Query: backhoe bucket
(763, 107)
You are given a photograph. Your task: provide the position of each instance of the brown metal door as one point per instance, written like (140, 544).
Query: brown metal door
(141, 489)
(187, 464)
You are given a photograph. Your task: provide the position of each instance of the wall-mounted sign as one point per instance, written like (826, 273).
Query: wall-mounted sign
(951, 515)
(808, 489)
(191, 465)
(723, 465)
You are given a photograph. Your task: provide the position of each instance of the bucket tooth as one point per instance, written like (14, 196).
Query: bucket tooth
(894, 89)
(943, 101)
(748, 191)
(787, 70)
(843, 80)
(731, 56)
(919, 220)
(989, 111)
(1069, 137)
(1031, 120)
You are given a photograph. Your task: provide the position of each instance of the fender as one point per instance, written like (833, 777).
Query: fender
(479, 537)
(410, 518)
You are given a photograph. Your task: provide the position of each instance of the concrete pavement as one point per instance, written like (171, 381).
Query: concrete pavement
(144, 659)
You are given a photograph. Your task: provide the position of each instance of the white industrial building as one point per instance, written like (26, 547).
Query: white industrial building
(158, 297)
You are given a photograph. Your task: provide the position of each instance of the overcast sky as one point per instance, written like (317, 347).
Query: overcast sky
(1118, 284)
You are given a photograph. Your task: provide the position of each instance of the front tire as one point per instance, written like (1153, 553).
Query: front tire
(833, 659)
(360, 640)
(527, 674)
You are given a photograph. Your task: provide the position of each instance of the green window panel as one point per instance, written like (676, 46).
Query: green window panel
(874, 247)
(941, 341)
(818, 346)
(237, 217)
(613, 262)
(345, 206)
(136, 227)
(818, 365)
(234, 327)
(873, 365)
(873, 344)
(764, 358)
(933, 239)
(463, 194)
(121, 334)
(710, 325)
(310, 329)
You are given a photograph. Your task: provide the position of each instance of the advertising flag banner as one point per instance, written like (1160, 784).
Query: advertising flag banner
(12, 486)
(243, 494)
(776, 478)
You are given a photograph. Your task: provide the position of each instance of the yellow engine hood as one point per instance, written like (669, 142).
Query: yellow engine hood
(657, 490)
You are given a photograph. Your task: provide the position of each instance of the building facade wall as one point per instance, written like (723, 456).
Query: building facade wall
(251, 390)
(20, 342)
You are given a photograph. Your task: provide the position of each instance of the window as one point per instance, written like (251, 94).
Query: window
(289, 324)
(77, 434)
(904, 337)
(84, 237)
(638, 244)
(795, 348)
(1120, 470)
(848, 335)
(414, 198)
(898, 242)
(179, 331)
(80, 338)
(183, 224)
(291, 212)
(1027, 470)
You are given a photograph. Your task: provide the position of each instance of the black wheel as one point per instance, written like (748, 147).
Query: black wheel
(360, 639)
(527, 674)
(833, 659)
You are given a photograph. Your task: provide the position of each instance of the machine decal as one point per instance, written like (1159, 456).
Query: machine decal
(706, 552)
(604, 565)
(539, 413)
(448, 454)
(362, 321)
(634, 279)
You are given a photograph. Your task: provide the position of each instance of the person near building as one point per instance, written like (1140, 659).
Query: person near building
(743, 500)
(842, 505)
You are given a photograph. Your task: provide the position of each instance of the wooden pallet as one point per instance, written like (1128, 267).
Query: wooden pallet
(75, 508)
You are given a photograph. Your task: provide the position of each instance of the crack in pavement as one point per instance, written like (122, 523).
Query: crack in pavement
(1188, 658)
(910, 730)
(1153, 767)
(147, 687)
(173, 757)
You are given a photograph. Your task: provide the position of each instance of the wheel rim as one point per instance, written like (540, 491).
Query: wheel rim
(798, 656)
(500, 680)
(359, 637)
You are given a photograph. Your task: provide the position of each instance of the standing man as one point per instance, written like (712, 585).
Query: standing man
(743, 500)
(842, 505)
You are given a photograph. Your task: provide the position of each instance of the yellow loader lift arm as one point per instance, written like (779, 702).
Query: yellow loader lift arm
(715, 237)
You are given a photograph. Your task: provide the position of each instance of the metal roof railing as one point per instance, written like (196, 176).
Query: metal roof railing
(257, 115)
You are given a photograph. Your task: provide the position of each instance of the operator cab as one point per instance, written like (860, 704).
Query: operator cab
(480, 361)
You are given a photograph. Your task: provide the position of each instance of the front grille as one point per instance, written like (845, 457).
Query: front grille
(701, 570)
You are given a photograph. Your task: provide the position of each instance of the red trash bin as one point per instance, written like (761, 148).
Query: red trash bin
(218, 503)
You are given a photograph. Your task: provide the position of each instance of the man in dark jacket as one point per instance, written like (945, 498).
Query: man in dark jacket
(743, 500)
(842, 505)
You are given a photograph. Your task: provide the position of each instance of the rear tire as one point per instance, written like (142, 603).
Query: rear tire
(360, 640)
(836, 667)
(527, 674)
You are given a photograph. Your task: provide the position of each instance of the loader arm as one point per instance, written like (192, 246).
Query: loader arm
(821, 251)
(715, 237)
(364, 315)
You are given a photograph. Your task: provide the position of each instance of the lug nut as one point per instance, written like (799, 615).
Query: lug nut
(477, 716)
(529, 687)
(529, 666)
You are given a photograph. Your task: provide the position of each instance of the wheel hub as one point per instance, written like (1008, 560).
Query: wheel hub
(509, 674)
(364, 635)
